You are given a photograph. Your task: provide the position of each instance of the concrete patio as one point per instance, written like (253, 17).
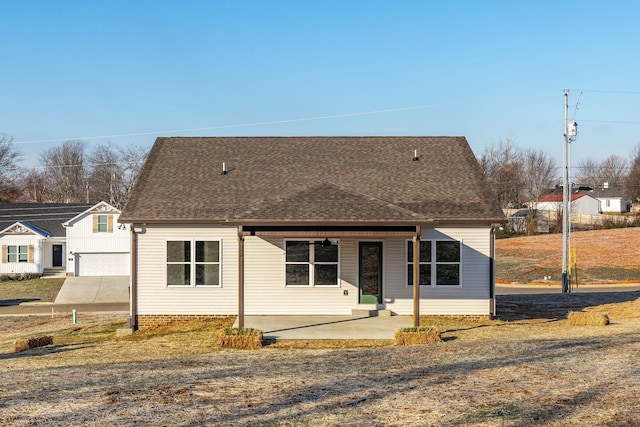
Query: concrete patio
(327, 327)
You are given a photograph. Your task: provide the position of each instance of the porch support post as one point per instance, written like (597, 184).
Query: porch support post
(416, 278)
(240, 278)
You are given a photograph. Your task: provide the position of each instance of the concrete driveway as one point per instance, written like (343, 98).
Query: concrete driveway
(328, 327)
(90, 290)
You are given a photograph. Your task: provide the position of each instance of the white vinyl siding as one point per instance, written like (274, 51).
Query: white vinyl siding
(266, 293)
(154, 297)
(471, 298)
(265, 290)
(84, 243)
(33, 263)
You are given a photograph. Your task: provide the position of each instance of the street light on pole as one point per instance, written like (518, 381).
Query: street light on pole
(570, 135)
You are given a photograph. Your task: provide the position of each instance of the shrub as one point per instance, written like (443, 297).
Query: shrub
(26, 344)
(421, 335)
(586, 318)
(240, 338)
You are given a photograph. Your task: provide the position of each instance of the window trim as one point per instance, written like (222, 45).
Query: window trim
(311, 263)
(192, 263)
(434, 264)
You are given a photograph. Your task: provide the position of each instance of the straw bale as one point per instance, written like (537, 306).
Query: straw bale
(27, 343)
(587, 318)
(421, 335)
(239, 338)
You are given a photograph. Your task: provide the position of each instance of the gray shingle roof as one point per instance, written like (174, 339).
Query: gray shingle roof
(46, 216)
(311, 180)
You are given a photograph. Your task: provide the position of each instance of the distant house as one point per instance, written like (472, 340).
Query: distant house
(613, 199)
(32, 237)
(588, 200)
(97, 245)
(581, 203)
(518, 222)
(310, 225)
(71, 239)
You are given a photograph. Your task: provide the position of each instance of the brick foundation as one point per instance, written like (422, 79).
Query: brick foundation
(154, 320)
(472, 317)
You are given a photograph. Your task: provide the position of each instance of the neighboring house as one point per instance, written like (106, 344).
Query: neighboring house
(519, 222)
(96, 244)
(32, 238)
(581, 203)
(612, 199)
(310, 225)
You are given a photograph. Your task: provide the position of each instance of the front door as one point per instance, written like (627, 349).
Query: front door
(370, 276)
(57, 256)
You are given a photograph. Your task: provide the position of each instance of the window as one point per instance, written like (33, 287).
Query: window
(441, 269)
(103, 223)
(193, 263)
(18, 253)
(311, 264)
(425, 263)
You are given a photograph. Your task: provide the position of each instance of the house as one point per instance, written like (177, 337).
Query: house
(581, 203)
(523, 221)
(76, 239)
(613, 199)
(32, 237)
(97, 245)
(310, 225)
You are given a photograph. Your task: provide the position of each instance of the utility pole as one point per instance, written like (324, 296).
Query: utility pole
(570, 134)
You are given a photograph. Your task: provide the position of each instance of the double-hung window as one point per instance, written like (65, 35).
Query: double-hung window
(193, 263)
(311, 263)
(17, 253)
(439, 263)
(103, 223)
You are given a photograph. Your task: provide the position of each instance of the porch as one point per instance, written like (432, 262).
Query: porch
(328, 327)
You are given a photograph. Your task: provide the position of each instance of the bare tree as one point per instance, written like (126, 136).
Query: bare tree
(632, 181)
(588, 173)
(112, 172)
(502, 163)
(594, 174)
(540, 173)
(34, 185)
(9, 157)
(64, 173)
(614, 170)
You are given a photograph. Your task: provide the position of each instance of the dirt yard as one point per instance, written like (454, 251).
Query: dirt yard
(527, 368)
(603, 256)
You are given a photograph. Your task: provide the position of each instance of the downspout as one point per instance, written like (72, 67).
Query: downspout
(133, 281)
(240, 277)
(416, 278)
(492, 273)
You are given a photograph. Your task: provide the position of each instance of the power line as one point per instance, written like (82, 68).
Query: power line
(610, 121)
(303, 119)
(623, 92)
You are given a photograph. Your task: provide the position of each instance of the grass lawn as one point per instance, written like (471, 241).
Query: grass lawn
(43, 290)
(529, 367)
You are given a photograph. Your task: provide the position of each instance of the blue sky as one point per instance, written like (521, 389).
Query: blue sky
(97, 70)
